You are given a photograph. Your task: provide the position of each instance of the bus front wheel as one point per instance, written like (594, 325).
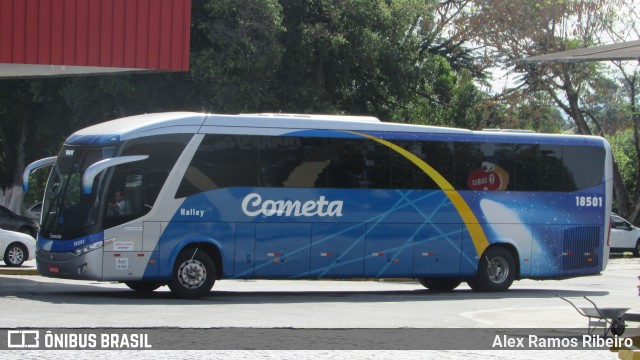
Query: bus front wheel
(194, 274)
(440, 284)
(496, 271)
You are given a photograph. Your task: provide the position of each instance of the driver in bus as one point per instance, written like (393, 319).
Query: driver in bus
(119, 206)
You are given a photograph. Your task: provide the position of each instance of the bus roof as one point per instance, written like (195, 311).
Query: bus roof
(192, 123)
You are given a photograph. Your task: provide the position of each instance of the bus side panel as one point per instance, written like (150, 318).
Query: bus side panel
(337, 250)
(389, 250)
(129, 266)
(567, 250)
(179, 234)
(546, 252)
(282, 250)
(244, 251)
(470, 258)
(437, 250)
(124, 255)
(558, 226)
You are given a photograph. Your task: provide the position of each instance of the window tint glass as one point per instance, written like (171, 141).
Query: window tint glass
(347, 164)
(407, 175)
(550, 173)
(301, 162)
(293, 162)
(557, 168)
(138, 183)
(309, 169)
(583, 166)
(222, 161)
(483, 166)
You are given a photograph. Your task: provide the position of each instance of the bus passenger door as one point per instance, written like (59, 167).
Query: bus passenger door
(125, 257)
(282, 250)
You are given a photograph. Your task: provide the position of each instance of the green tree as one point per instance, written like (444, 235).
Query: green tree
(237, 54)
(371, 57)
(623, 149)
(517, 30)
(390, 59)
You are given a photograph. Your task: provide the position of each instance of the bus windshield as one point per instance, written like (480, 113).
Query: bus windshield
(68, 213)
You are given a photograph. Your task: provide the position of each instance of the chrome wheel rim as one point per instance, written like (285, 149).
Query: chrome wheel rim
(192, 274)
(498, 270)
(16, 255)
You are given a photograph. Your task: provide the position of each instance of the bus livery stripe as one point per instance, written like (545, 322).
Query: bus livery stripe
(478, 236)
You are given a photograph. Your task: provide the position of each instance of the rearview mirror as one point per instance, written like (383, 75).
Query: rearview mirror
(35, 166)
(93, 170)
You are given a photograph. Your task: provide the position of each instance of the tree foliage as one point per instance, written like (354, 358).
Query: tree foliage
(415, 61)
(389, 59)
(586, 93)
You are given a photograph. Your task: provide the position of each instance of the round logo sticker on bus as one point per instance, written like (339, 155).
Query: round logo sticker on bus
(489, 177)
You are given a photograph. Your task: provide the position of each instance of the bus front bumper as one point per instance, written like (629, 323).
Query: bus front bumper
(66, 265)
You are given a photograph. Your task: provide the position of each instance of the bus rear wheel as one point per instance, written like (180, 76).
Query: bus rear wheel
(496, 271)
(193, 275)
(440, 284)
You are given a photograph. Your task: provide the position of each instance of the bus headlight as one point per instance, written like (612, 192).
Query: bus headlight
(85, 249)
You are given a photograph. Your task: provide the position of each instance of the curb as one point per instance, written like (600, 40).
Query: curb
(18, 271)
(27, 268)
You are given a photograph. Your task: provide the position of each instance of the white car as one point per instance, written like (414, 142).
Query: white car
(624, 236)
(16, 247)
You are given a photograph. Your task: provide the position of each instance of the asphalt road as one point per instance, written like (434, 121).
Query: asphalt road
(32, 301)
(29, 301)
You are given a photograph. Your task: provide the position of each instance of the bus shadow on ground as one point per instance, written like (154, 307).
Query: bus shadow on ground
(118, 294)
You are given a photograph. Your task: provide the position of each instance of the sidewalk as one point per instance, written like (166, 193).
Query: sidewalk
(28, 268)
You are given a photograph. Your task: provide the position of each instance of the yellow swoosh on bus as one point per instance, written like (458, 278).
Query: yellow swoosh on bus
(475, 230)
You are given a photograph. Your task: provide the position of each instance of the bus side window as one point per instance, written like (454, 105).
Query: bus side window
(583, 174)
(436, 154)
(278, 157)
(346, 167)
(308, 168)
(484, 166)
(222, 161)
(152, 185)
(125, 197)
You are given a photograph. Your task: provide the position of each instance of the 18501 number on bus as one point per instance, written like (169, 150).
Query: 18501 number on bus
(589, 201)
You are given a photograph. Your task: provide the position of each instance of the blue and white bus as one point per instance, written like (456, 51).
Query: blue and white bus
(275, 196)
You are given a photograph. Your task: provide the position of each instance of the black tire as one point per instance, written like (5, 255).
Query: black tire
(440, 284)
(194, 274)
(496, 271)
(636, 250)
(617, 327)
(15, 255)
(143, 286)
